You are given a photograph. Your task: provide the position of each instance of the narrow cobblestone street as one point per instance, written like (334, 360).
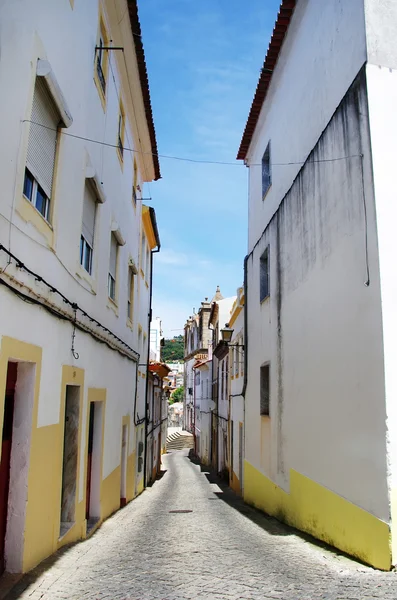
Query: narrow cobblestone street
(221, 549)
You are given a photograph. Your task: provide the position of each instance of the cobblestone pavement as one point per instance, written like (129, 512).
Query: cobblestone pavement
(221, 550)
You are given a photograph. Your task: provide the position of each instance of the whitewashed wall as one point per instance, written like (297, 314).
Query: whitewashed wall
(321, 328)
(323, 52)
(27, 32)
(236, 389)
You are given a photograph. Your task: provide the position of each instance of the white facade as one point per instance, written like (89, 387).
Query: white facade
(220, 316)
(52, 44)
(320, 340)
(236, 391)
(155, 339)
(203, 407)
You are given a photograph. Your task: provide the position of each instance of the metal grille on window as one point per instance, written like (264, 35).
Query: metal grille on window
(42, 137)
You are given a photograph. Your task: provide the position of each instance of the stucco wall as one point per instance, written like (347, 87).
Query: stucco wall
(381, 26)
(321, 55)
(382, 99)
(321, 328)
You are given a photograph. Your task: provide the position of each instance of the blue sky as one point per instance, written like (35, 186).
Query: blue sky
(203, 59)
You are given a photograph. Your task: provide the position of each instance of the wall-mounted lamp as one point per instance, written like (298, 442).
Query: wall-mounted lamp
(226, 336)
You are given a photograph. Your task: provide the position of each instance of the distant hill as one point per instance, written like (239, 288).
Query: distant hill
(173, 349)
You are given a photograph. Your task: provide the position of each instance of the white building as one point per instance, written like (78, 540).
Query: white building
(321, 289)
(156, 334)
(236, 391)
(219, 318)
(195, 349)
(204, 406)
(75, 268)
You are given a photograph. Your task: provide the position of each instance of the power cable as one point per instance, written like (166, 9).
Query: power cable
(194, 160)
(73, 305)
(45, 248)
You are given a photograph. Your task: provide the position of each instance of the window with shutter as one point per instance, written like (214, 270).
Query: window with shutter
(40, 160)
(88, 227)
(112, 268)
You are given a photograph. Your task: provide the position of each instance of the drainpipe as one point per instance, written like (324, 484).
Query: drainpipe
(154, 223)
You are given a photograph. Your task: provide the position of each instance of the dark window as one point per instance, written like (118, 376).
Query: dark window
(266, 172)
(264, 275)
(41, 202)
(28, 185)
(265, 390)
(100, 64)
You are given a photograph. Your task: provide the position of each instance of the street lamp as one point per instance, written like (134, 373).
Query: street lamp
(226, 334)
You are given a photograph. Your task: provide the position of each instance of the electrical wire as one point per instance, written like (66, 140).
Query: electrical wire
(45, 248)
(73, 305)
(194, 160)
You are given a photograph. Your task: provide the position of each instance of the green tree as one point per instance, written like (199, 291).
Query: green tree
(173, 349)
(177, 395)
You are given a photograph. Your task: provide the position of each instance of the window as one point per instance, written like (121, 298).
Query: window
(143, 251)
(121, 132)
(237, 358)
(264, 275)
(265, 390)
(134, 188)
(101, 65)
(266, 172)
(147, 272)
(112, 268)
(130, 301)
(40, 160)
(88, 228)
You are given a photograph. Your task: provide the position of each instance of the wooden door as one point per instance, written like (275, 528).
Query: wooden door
(6, 454)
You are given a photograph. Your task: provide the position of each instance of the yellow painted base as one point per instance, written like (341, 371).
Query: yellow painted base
(321, 513)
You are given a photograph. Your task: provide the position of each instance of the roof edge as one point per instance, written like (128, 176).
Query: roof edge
(144, 80)
(280, 30)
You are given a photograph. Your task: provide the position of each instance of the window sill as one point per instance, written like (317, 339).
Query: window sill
(130, 324)
(265, 417)
(112, 304)
(102, 94)
(142, 274)
(30, 214)
(83, 274)
(147, 285)
(264, 300)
